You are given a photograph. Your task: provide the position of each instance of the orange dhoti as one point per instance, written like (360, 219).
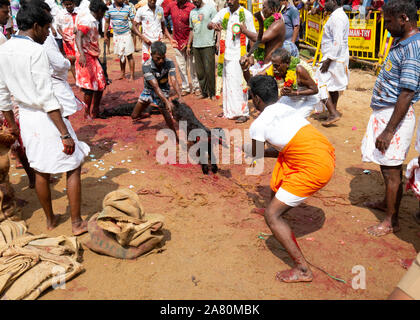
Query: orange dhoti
(304, 166)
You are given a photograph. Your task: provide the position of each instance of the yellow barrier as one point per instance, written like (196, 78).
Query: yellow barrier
(363, 40)
(418, 21)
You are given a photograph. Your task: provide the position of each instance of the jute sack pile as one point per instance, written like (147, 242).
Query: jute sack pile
(123, 229)
(30, 264)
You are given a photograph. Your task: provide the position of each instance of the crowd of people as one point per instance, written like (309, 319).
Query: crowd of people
(49, 41)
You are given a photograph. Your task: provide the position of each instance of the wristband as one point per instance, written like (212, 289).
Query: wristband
(66, 136)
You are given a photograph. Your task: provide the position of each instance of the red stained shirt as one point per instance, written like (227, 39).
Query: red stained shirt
(180, 21)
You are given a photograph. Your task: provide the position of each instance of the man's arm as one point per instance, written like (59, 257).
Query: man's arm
(174, 83)
(190, 40)
(106, 39)
(400, 110)
(295, 33)
(68, 141)
(304, 79)
(165, 30)
(82, 58)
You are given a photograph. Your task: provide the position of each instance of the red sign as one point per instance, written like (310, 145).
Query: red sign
(313, 25)
(360, 33)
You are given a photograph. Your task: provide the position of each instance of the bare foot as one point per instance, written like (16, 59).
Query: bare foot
(122, 76)
(54, 222)
(382, 229)
(294, 275)
(79, 227)
(84, 171)
(331, 120)
(378, 205)
(131, 78)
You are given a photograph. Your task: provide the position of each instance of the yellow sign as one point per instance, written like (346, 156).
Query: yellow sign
(418, 21)
(362, 38)
(313, 29)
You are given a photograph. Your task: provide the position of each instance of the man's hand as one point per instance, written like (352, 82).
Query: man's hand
(243, 28)
(245, 63)
(217, 26)
(106, 40)
(286, 91)
(147, 41)
(325, 65)
(169, 106)
(174, 43)
(82, 60)
(383, 141)
(188, 51)
(69, 146)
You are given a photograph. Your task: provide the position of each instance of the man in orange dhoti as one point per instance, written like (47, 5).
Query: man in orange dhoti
(305, 164)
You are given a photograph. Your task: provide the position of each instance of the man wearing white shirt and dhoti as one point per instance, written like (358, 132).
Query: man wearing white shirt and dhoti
(333, 75)
(232, 46)
(153, 27)
(49, 139)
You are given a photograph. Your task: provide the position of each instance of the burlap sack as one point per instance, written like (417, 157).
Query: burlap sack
(123, 230)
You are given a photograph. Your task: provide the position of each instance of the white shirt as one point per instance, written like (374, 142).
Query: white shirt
(277, 125)
(25, 74)
(151, 23)
(233, 48)
(335, 39)
(59, 68)
(55, 10)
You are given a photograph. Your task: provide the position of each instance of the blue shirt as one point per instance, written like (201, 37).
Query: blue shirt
(120, 18)
(291, 20)
(401, 70)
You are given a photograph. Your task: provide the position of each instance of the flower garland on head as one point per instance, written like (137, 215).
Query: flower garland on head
(222, 48)
(259, 53)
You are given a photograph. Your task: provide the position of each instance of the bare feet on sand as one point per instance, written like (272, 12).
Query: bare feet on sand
(79, 227)
(294, 275)
(382, 229)
(54, 222)
(378, 205)
(331, 120)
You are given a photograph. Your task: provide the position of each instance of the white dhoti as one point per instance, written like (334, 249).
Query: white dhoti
(400, 143)
(335, 79)
(235, 100)
(66, 97)
(43, 145)
(304, 105)
(123, 45)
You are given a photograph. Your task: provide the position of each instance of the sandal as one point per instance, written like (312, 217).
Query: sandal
(241, 119)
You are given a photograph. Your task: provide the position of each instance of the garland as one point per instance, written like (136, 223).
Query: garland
(290, 80)
(259, 53)
(222, 48)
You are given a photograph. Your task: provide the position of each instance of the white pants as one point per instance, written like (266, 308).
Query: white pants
(335, 79)
(400, 143)
(235, 100)
(123, 45)
(186, 63)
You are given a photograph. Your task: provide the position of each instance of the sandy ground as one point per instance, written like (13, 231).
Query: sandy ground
(212, 249)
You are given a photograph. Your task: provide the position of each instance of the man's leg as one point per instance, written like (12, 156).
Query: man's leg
(182, 67)
(393, 194)
(131, 64)
(42, 188)
(87, 98)
(97, 96)
(201, 71)
(283, 234)
(139, 108)
(210, 64)
(193, 74)
(122, 67)
(331, 105)
(74, 193)
(25, 163)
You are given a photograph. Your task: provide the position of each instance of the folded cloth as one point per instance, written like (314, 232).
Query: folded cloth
(123, 229)
(30, 264)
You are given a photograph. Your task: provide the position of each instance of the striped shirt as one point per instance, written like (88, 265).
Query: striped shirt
(151, 72)
(120, 18)
(401, 71)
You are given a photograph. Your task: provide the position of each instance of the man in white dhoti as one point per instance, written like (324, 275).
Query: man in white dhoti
(121, 15)
(333, 75)
(25, 74)
(232, 46)
(391, 125)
